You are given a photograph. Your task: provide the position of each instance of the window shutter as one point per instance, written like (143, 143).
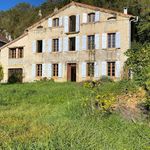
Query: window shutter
(104, 40)
(97, 41)
(96, 70)
(50, 45)
(49, 22)
(60, 21)
(77, 43)
(60, 70)
(33, 71)
(97, 16)
(84, 19)
(66, 24)
(65, 44)
(77, 23)
(34, 46)
(60, 44)
(49, 70)
(118, 40)
(43, 45)
(117, 70)
(84, 42)
(84, 70)
(43, 70)
(104, 68)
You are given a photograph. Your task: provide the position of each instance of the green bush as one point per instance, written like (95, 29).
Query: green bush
(1, 73)
(15, 78)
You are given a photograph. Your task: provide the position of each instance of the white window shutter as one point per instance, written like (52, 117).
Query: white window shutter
(117, 70)
(34, 46)
(60, 44)
(43, 70)
(60, 70)
(33, 71)
(97, 16)
(118, 40)
(77, 43)
(77, 23)
(65, 44)
(49, 45)
(66, 24)
(96, 70)
(84, 70)
(97, 41)
(104, 68)
(49, 22)
(49, 70)
(43, 46)
(60, 21)
(84, 18)
(104, 40)
(84, 42)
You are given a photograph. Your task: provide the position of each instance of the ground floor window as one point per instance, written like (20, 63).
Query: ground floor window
(39, 70)
(111, 69)
(90, 69)
(55, 70)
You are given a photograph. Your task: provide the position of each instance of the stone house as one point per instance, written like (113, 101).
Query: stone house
(78, 42)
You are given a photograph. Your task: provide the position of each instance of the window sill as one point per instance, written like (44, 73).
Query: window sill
(74, 32)
(90, 23)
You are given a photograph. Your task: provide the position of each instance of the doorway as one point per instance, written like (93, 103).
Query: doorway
(71, 72)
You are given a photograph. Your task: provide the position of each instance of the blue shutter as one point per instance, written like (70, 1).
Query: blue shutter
(34, 46)
(97, 16)
(43, 70)
(104, 68)
(66, 24)
(118, 40)
(49, 45)
(60, 44)
(43, 46)
(84, 42)
(49, 22)
(60, 70)
(65, 44)
(104, 40)
(33, 71)
(77, 43)
(77, 23)
(84, 18)
(60, 21)
(97, 41)
(96, 70)
(84, 70)
(117, 71)
(49, 70)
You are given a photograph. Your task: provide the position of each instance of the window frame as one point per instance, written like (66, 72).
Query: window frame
(39, 48)
(56, 22)
(38, 70)
(71, 46)
(111, 40)
(90, 73)
(20, 52)
(111, 69)
(72, 27)
(55, 45)
(12, 53)
(91, 17)
(91, 42)
(55, 70)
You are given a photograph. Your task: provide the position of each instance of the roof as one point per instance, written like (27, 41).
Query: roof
(3, 39)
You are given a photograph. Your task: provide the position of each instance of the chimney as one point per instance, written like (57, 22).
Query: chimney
(125, 10)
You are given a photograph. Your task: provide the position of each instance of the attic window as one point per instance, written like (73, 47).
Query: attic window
(56, 22)
(39, 27)
(91, 17)
(113, 17)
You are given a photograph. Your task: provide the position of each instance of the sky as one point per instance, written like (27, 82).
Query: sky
(7, 4)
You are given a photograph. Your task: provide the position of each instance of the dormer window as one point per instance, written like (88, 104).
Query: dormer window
(72, 23)
(91, 17)
(56, 22)
(39, 27)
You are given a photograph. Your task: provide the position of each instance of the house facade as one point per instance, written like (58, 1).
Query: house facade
(76, 43)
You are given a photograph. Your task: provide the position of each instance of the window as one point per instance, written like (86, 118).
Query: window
(91, 42)
(12, 53)
(111, 69)
(72, 44)
(39, 70)
(90, 69)
(56, 22)
(20, 52)
(55, 70)
(72, 24)
(111, 40)
(39, 46)
(55, 45)
(91, 17)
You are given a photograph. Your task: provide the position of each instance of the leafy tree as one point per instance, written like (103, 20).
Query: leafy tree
(1, 73)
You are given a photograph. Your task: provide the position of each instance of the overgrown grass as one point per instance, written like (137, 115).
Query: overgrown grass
(49, 115)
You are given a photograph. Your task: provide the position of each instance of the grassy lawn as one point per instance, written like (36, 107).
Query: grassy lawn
(49, 115)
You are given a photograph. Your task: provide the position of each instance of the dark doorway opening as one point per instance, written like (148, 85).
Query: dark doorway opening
(71, 72)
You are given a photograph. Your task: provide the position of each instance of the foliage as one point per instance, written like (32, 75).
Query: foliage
(1, 72)
(15, 78)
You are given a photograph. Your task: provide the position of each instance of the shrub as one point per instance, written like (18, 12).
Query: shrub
(1, 73)
(15, 78)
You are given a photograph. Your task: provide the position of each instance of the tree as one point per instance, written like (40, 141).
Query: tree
(1, 73)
